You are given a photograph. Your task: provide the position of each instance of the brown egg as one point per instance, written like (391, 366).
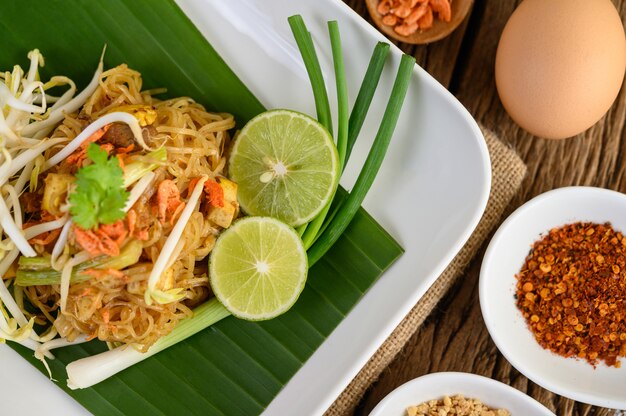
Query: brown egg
(560, 64)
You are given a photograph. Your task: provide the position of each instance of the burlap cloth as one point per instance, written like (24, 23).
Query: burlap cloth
(508, 170)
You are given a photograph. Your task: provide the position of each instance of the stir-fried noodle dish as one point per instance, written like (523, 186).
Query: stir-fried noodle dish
(111, 201)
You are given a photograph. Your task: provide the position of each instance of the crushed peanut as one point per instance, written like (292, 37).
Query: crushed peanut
(455, 405)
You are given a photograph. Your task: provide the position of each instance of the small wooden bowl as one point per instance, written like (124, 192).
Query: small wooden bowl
(440, 29)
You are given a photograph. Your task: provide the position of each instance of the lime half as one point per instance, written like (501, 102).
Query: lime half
(286, 166)
(258, 268)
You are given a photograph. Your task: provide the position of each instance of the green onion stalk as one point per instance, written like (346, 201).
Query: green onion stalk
(88, 371)
(372, 164)
(312, 230)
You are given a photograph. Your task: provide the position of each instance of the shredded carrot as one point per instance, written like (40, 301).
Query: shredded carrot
(106, 315)
(141, 235)
(168, 199)
(107, 147)
(122, 153)
(10, 274)
(192, 184)
(45, 238)
(85, 292)
(29, 224)
(46, 216)
(177, 212)
(121, 158)
(131, 217)
(215, 193)
(125, 150)
(78, 157)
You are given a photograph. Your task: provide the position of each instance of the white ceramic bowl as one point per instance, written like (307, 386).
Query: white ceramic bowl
(434, 386)
(603, 386)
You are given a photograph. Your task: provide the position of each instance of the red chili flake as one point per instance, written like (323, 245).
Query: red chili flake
(572, 292)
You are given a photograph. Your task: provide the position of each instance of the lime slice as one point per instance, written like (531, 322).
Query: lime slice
(258, 268)
(286, 166)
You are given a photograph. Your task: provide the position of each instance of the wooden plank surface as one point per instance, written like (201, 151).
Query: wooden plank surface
(454, 338)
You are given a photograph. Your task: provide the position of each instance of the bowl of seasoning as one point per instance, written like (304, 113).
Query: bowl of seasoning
(418, 21)
(461, 394)
(553, 293)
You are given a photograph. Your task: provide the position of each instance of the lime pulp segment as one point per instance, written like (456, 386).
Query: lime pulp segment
(258, 268)
(286, 166)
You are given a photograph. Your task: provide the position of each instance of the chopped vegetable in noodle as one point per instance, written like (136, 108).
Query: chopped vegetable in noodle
(85, 262)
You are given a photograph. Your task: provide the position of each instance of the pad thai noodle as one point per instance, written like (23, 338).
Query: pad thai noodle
(119, 203)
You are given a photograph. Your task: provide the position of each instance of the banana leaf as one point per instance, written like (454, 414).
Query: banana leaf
(234, 367)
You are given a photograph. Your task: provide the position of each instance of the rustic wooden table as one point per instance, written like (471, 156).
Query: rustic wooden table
(454, 337)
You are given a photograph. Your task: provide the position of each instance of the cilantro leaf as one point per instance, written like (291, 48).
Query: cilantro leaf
(100, 196)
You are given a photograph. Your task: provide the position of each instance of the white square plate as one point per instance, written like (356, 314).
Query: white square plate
(430, 193)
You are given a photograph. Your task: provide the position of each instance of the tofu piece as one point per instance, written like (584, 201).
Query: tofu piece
(224, 216)
(229, 187)
(55, 192)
